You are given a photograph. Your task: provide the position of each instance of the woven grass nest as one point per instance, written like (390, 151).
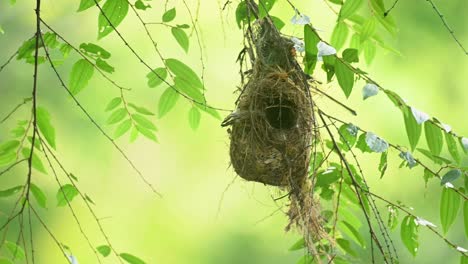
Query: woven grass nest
(272, 126)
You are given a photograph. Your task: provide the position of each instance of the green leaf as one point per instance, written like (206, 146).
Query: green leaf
(306, 259)
(348, 135)
(369, 51)
(413, 129)
(194, 118)
(339, 35)
(452, 147)
(264, 7)
(463, 260)
(434, 137)
(181, 38)
(409, 234)
(450, 176)
(169, 15)
(36, 161)
(10, 192)
(383, 163)
(279, 24)
(123, 128)
(95, 50)
(465, 216)
(350, 55)
(183, 71)
(39, 195)
(104, 250)
(300, 244)
(5, 261)
(144, 122)
(345, 77)
(362, 144)
(65, 49)
(50, 40)
(368, 29)
(15, 250)
(9, 146)
(113, 104)
(103, 65)
(310, 43)
(141, 109)
(7, 158)
(449, 205)
(141, 6)
(117, 116)
(66, 194)
(85, 4)
(28, 47)
(156, 77)
(349, 8)
(167, 101)
(349, 230)
(434, 158)
(189, 90)
(147, 133)
(134, 134)
(45, 126)
(241, 13)
(115, 12)
(212, 112)
(80, 75)
(345, 245)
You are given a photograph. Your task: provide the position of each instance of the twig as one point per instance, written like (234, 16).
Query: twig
(3, 66)
(12, 166)
(25, 101)
(149, 67)
(119, 149)
(446, 25)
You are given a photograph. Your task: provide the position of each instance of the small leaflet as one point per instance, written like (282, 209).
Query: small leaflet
(375, 143)
(420, 116)
(369, 90)
(464, 142)
(408, 158)
(463, 250)
(447, 128)
(300, 19)
(298, 44)
(423, 222)
(324, 50)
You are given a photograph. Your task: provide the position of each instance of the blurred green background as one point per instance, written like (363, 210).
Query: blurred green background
(207, 215)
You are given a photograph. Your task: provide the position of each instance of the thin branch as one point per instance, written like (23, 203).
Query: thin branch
(132, 50)
(3, 66)
(50, 234)
(68, 202)
(12, 166)
(25, 101)
(356, 186)
(119, 149)
(395, 2)
(84, 57)
(398, 148)
(83, 197)
(446, 25)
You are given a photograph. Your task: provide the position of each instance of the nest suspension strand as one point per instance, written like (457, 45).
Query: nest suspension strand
(273, 128)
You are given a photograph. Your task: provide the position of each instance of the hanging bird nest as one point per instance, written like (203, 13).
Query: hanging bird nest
(272, 127)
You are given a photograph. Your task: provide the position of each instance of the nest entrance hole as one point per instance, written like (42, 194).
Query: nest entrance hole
(280, 114)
